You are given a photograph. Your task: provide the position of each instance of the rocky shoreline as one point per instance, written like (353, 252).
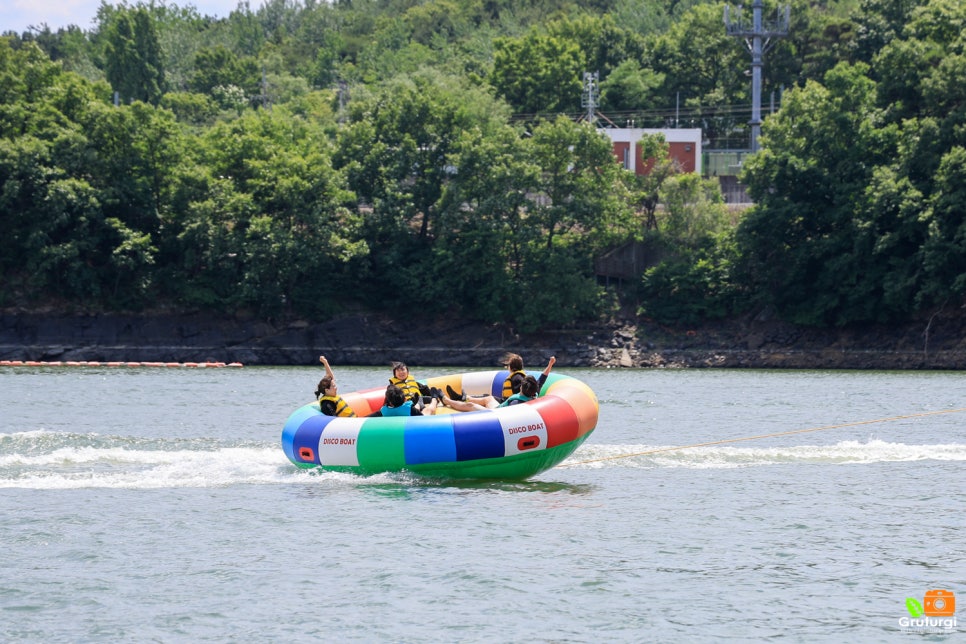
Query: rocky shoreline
(938, 342)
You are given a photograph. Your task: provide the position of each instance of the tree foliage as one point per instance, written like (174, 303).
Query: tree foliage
(857, 220)
(134, 62)
(298, 158)
(538, 73)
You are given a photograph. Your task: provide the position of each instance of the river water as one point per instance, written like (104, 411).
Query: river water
(156, 505)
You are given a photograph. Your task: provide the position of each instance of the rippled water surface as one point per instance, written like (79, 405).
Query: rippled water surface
(149, 504)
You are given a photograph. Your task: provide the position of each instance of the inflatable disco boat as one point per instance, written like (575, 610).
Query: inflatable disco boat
(514, 442)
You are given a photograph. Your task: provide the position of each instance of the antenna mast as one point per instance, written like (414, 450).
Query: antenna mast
(589, 97)
(264, 97)
(343, 93)
(758, 36)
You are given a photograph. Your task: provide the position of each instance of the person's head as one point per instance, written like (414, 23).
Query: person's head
(513, 362)
(327, 387)
(394, 396)
(400, 370)
(530, 387)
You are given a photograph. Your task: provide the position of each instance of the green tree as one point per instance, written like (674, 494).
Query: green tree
(917, 68)
(643, 18)
(693, 282)
(266, 222)
(26, 76)
(56, 240)
(603, 43)
(575, 207)
(644, 190)
(131, 261)
(538, 73)
(817, 159)
(396, 149)
(132, 152)
(818, 38)
(579, 180)
(890, 233)
(134, 61)
(182, 31)
(397, 154)
(944, 252)
(694, 210)
(219, 67)
(878, 22)
(484, 230)
(52, 223)
(694, 285)
(703, 69)
(190, 108)
(629, 88)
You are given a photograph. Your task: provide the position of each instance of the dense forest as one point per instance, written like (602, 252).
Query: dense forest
(300, 159)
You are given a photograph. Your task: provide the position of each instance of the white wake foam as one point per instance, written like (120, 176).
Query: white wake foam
(58, 460)
(720, 456)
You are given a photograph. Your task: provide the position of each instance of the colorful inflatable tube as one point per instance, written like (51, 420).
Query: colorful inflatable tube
(513, 442)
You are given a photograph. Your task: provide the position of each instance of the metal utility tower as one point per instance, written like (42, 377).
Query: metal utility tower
(588, 98)
(758, 36)
(343, 99)
(265, 97)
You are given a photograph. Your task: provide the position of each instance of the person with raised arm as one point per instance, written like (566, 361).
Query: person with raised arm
(461, 402)
(330, 402)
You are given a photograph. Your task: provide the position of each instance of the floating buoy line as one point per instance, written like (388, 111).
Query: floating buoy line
(92, 363)
(772, 435)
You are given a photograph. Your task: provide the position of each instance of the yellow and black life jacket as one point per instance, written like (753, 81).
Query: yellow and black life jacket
(409, 386)
(340, 405)
(508, 389)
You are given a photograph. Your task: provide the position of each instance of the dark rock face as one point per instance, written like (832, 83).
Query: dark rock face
(934, 343)
(200, 338)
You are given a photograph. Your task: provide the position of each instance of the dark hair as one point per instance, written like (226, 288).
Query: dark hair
(530, 387)
(397, 365)
(513, 362)
(394, 396)
(324, 384)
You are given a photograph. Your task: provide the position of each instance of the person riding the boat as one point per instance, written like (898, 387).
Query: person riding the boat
(489, 402)
(511, 385)
(396, 403)
(420, 394)
(330, 402)
(514, 363)
(529, 389)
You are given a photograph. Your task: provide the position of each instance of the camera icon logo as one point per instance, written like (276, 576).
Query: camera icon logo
(939, 603)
